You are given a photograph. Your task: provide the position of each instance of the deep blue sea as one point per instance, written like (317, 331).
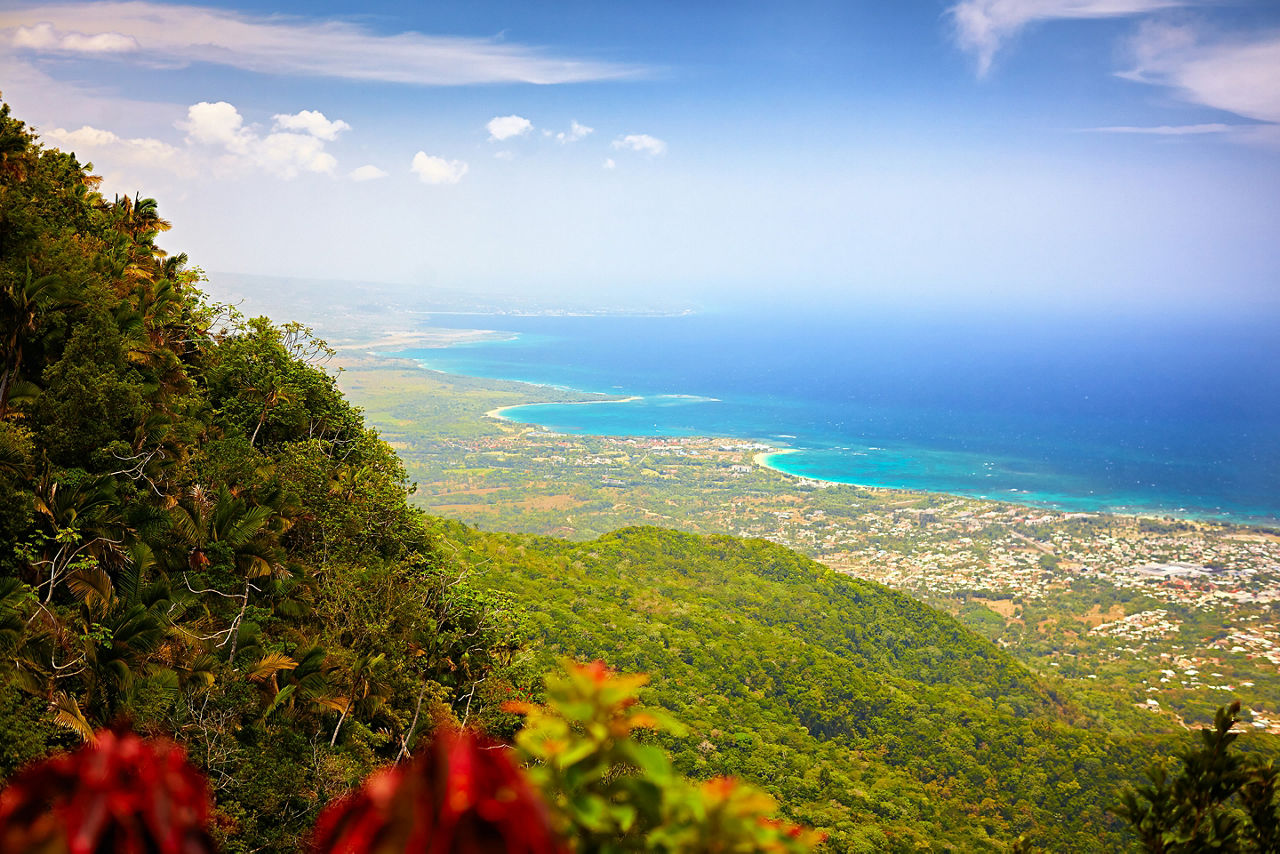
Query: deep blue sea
(1176, 417)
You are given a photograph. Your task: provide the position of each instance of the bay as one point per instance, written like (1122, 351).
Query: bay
(1122, 414)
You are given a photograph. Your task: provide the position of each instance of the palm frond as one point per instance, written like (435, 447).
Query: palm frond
(271, 664)
(338, 704)
(185, 525)
(67, 714)
(92, 586)
(243, 529)
(202, 669)
(164, 681)
(256, 566)
(129, 580)
(282, 696)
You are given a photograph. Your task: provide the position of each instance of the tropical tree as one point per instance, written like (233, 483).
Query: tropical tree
(79, 527)
(23, 303)
(228, 537)
(1218, 800)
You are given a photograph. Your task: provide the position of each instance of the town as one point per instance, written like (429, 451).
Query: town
(1174, 617)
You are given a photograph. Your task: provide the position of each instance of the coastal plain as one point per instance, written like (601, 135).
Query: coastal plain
(1155, 622)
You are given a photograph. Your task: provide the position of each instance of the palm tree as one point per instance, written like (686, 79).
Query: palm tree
(138, 222)
(81, 522)
(23, 303)
(15, 142)
(298, 682)
(367, 689)
(247, 534)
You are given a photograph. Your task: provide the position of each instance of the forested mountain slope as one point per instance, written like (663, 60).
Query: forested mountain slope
(198, 534)
(867, 713)
(200, 537)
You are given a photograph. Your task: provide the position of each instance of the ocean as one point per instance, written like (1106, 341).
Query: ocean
(1174, 418)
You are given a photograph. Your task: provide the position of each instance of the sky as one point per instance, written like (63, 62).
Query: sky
(1082, 155)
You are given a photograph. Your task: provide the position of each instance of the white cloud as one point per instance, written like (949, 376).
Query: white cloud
(287, 154)
(312, 122)
(217, 139)
(218, 123)
(1240, 75)
(1170, 130)
(982, 26)
(576, 132)
(284, 154)
(437, 170)
(641, 142)
(89, 142)
(505, 127)
(45, 37)
(609, 164)
(368, 172)
(85, 137)
(278, 44)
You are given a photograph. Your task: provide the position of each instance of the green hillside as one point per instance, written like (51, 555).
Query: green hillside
(202, 539)
(867, 713)
(199, 536)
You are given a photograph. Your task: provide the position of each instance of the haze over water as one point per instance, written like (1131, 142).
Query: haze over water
(1146, 416)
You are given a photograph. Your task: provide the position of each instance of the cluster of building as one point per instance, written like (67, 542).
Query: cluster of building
(1153, 574)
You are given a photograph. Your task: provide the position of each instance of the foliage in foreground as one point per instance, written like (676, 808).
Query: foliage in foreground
(606, 792)
(610, 792)
(1219, 800)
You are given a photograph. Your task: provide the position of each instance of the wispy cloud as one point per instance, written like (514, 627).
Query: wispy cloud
(982, 26)
(641, 142)
(44, 37)
(505, 127)
(181, 35)
(437, 170)
(1239, 75)
(1169, 130)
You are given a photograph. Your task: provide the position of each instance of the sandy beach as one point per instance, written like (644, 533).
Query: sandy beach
(497, 413)
(762, 459)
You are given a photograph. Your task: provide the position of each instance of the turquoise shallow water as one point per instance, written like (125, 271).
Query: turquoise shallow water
(1126, 417)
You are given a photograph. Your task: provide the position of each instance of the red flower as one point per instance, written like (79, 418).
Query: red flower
(462, 794)
(121, 794)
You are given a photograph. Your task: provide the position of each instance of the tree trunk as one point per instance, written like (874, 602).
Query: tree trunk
(235, 624)
(404, 743)
(342, 717)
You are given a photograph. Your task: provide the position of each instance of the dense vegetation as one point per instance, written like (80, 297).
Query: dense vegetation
(869, 715)
(200, 534)
(203, 538)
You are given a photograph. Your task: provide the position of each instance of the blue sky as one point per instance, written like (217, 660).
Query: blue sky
(1083, 154)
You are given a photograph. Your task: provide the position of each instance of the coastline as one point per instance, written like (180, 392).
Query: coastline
(497, 412)
(770, 459)
(763, 458)
(982, 560)
(766, 460)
